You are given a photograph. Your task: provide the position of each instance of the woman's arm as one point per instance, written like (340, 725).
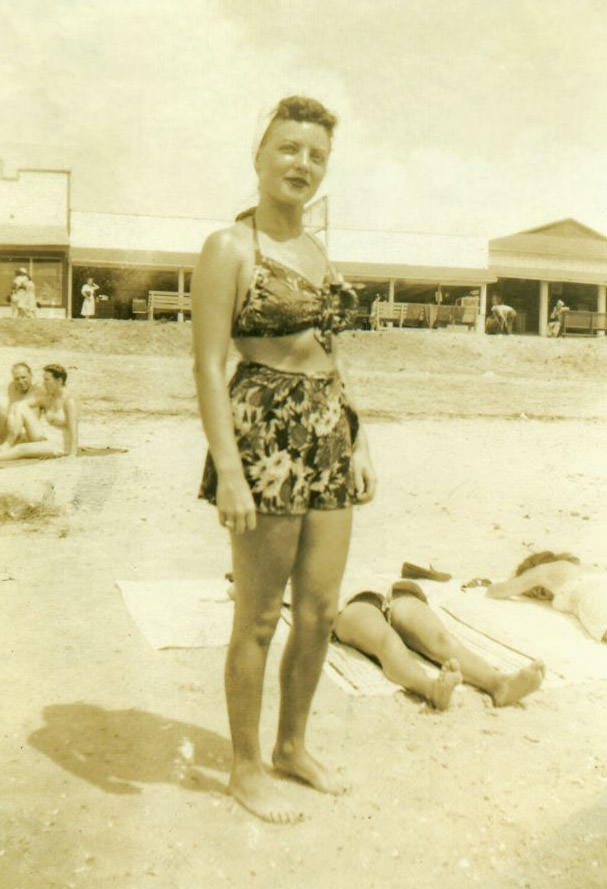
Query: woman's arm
(364, 474)
(71, 420)
(214, 291)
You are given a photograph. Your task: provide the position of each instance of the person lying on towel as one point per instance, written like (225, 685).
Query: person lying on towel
(389, 628)
(560, 579)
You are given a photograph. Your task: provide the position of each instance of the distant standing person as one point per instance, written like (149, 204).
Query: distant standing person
(557, 317)
(504, 315)
(23, 296)
(88, 292)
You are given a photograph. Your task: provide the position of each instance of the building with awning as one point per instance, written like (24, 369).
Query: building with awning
(130, 256)
(35, 235)
(410, 267)
(562, 260)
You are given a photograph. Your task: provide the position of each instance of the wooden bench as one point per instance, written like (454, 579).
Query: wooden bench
(388, 313)
(415, 315)
(584, 323)
(164, 302)
(466, 315)
(139, 308)
(399, 314)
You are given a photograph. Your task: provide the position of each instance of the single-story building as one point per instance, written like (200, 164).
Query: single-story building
(131, 256)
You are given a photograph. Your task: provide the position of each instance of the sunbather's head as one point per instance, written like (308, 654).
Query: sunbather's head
(55, 377)
(543, 558)
(22, 377)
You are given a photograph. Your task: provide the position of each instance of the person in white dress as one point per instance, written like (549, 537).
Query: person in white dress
(88, 292)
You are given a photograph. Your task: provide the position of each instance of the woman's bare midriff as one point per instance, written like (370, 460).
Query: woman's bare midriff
(296, 353)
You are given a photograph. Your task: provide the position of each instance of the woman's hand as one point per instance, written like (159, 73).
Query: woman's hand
(235, 504)
(365, 479)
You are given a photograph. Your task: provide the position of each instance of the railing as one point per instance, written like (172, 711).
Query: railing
(581, 322)
(421, 314)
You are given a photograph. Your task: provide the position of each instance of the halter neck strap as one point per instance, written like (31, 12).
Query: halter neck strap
(258, 253)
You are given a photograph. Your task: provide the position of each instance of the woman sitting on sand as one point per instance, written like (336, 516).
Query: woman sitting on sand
(387, 627)
(560, 579)
(45, 425)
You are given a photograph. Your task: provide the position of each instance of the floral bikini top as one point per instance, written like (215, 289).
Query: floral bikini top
(281, 301)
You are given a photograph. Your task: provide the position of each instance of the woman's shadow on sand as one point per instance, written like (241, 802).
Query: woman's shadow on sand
(118, 749)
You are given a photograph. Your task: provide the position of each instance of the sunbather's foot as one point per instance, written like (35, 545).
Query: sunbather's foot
(515, 686)
(442, 688)
(255, 790)
(303, 767)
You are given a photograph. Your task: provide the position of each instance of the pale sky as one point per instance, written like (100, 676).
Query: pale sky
(457, 116)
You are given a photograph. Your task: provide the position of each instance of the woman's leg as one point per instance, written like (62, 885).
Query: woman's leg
(262, 561)
(26, 436)
(31, 449)
(364, 627)
(420, 629)
(4, 409)
(315, 584)
(23, 424)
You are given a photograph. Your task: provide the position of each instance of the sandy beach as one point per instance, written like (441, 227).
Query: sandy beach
(487, 449)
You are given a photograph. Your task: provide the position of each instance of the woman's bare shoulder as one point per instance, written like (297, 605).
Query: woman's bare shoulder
(232, 242)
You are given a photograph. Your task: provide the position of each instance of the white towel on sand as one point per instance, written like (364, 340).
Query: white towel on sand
(507, 633)
(523, 625)
(180, 613)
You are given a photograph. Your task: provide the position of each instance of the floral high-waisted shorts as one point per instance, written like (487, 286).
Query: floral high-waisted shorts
(295, 433)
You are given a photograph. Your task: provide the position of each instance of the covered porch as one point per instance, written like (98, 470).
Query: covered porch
(563, 260)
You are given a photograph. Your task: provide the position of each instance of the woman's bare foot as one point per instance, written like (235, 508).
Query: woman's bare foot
(515, 686)
(303, 767)
(255, 790)
(442, 688)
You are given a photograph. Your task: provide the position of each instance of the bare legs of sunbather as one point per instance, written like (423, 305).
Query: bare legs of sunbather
(420, 628)
(364, 627)
(415, 626)
(26, 436)
(311, 550)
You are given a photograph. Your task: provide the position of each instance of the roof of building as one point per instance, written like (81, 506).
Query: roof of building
(33, 236)
(563, 238)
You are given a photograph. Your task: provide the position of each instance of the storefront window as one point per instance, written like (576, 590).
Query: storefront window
(48, 278)
(46, 273)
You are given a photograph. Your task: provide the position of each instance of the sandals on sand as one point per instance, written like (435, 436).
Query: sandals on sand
(415, 572)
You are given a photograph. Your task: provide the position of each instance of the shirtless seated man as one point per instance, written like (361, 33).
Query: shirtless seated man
(20, 389)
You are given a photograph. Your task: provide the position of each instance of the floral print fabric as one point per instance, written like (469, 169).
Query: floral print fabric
(295, 434)
(280, 301)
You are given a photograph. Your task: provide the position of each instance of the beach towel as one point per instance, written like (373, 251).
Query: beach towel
(85, 451)
(524, 626)
(508, 634)
(180, 613)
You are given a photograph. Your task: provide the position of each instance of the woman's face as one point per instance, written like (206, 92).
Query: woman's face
(292, 161)
(51, 383)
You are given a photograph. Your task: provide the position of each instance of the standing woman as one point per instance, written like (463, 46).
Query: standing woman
(88, 292)
(287, 458)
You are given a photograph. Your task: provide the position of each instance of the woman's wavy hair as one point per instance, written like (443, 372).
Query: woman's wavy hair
(57, 371)
(303, 110)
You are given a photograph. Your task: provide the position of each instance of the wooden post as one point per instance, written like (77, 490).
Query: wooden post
(391, 291)
(543, 322)
(181, 292)
(482, 310)
(601, 304)
(70, 289)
